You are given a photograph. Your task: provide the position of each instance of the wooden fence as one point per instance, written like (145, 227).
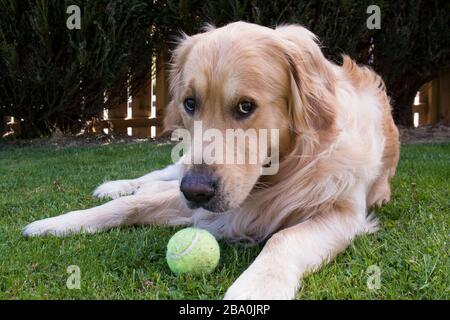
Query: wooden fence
(433, 103)
(140, 116)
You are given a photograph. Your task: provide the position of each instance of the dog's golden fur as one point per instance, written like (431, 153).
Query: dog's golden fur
(304, 109)
(338, 146)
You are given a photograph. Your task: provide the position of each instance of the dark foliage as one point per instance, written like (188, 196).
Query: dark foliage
(411, 47)
(53, 77)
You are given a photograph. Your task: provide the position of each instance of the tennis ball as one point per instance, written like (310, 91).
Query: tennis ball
(192, 250)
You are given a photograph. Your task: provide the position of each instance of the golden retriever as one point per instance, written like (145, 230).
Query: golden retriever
(338, 150)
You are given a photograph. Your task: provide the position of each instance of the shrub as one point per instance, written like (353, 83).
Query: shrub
(53, 77)
(410, 49)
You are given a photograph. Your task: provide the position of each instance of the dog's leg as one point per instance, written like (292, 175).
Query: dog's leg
(293, 252)
(118, 188)
(153, 187)
(161, 208)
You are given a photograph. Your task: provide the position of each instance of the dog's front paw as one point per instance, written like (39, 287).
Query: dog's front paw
(115, 189)
(71, 222)
(263, 285)
(43, 227)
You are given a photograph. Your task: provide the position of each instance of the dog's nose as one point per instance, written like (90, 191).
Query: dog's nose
(198, 188)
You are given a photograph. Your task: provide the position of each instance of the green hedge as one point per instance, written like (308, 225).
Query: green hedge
(53, 77)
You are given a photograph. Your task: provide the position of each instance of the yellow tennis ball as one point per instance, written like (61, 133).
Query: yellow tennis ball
(192, 250)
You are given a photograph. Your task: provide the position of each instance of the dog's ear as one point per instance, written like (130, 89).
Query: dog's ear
(312, 104)
(172, 116)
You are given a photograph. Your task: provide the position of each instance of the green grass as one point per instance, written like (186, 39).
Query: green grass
(411, 249)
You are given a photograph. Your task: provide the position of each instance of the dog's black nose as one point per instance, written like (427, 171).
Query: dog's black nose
(198, 187)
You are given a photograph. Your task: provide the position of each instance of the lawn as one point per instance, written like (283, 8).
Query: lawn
(411, 250)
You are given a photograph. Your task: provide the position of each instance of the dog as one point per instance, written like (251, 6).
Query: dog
(338, 150)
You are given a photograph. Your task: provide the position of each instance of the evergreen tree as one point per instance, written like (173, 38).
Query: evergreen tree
(53, 77)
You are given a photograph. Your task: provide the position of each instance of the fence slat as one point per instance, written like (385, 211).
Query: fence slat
(161, 90)
(141, 108)
(118, 113)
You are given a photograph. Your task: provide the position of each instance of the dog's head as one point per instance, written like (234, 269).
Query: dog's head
(244, 76)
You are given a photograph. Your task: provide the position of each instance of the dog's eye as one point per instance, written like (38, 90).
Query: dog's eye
(245, 108)
(189, 105)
